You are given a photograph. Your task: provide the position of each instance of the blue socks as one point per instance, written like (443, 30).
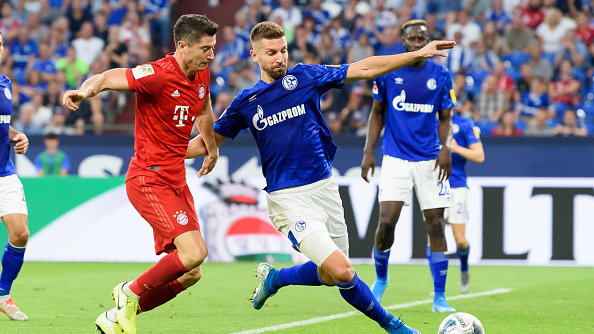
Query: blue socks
(358, 294)
(463, 256)
(301, 274)
(12, 261)
(438, 263)
(381, 263)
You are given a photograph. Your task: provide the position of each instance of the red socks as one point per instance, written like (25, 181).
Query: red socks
(169, 268)
(160, 295)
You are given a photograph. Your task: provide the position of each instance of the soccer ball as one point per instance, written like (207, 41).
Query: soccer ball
(461, 323)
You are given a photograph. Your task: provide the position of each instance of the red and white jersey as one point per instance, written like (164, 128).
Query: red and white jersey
(167, 104)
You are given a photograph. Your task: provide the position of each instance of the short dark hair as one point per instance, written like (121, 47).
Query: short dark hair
(191, 27)
(411, 23)
(266, 30)
(51, 135)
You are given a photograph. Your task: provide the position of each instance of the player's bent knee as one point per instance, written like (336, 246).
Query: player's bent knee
(192, 277)
(193, 259)
(19, 237)
(343, 274)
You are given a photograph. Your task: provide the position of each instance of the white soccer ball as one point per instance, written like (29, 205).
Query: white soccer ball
(461, 323)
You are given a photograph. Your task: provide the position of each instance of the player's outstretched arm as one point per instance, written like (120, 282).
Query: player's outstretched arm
(376, 66)
(474, 152)
(114, 79)
(375, 126)
(19, 139)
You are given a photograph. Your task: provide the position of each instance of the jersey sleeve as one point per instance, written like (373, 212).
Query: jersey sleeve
(231, 120)
(327, 76)
(448, 98)
(472, 133)
(379, 89)
(145, 79)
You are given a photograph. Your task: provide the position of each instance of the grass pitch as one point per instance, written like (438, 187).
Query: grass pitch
(65, 298)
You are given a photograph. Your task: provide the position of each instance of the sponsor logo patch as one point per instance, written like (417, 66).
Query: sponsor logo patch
(143, 71)
(290, 82)
(181, 218)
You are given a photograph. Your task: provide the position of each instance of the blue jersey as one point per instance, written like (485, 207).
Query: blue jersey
(284, 117)
(6, 165)
(465, 134)
(412, 97)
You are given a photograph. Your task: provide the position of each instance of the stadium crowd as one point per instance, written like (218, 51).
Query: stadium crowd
(521, 67)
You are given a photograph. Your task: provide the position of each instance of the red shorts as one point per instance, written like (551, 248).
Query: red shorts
(170, 212)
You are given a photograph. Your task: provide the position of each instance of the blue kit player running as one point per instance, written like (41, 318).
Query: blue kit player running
(466, 145)
(13, 207)
(282, 112)
(407, 101)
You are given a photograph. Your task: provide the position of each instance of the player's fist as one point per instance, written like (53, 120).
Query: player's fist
(72, 98)
(21, 143)
(433, 49)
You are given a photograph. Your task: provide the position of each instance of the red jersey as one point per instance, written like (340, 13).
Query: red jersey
(167, 104)
(532, 18)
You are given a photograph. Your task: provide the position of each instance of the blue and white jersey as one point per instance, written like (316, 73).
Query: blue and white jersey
(466, 133)
(530, 103)
(6, 165)
(294, 141)
(412, 97)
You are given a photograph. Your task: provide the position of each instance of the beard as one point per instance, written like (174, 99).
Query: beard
(275, 72)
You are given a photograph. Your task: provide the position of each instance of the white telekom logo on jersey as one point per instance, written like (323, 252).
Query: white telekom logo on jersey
(261, 122)
(4, 119)
(399, 104)
(181, 114)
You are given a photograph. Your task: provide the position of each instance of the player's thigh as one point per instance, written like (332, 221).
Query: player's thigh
(169, 212)
(328, 198)
(191, 243)
(396, 180)
(295, 213)
(12, 196)
(318, 246)
(458, 213)
(431, 192)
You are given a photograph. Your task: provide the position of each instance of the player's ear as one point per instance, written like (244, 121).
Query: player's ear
(181, 45)
(254, 55)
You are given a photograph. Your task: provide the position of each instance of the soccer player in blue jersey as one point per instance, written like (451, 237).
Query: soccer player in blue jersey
(282, 111)
(407, 101)
(13, 206)
(466, 145)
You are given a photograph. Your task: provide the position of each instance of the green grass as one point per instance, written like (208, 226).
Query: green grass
(65, 298)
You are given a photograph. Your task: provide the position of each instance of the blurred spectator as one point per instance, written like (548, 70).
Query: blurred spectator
(339, 34)
(533, 14)
(256, 12)
(25, 121)
(320, 16)
(491, 38)
(539, 125)
(571, 126)
(32, 84)
(518, 37)
(349, 15)
(360, 50)
(101, 27)
(159, 17)
(73, 67)
(460, 58)
(572, 49)
(553, 29)
(383, 16)
(52, 161)
(136, 36)
(23, 51)
(491, 102)
(58, 124)
(327, 49)
(42, 114)
(584, 30)
(334, 122)
(507, 127)
(523, 83)
(45, 64)
(471, 31)
(20, 12)
(53, 96)
(358, 123)
(541, 67)
(87, 46)
(483, 59)
(290, 14)
(533, 101)
(59, 37)
(564, 91)
(463, 97)
(221, 103)
(116, 51)
(503, 82)
(37, 31)
(247, 77)
(389, 42)
(478, 8)
(9, 25)
(299, 47)
(498, 16)
(77, 14)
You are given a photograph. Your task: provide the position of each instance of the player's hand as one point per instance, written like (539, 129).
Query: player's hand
(433, 49)
(21, 143)
(209, 162)
(72, 98)
(444, 163)
(367, 164)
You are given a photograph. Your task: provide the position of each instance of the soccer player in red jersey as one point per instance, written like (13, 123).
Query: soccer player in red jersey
(172, 94)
